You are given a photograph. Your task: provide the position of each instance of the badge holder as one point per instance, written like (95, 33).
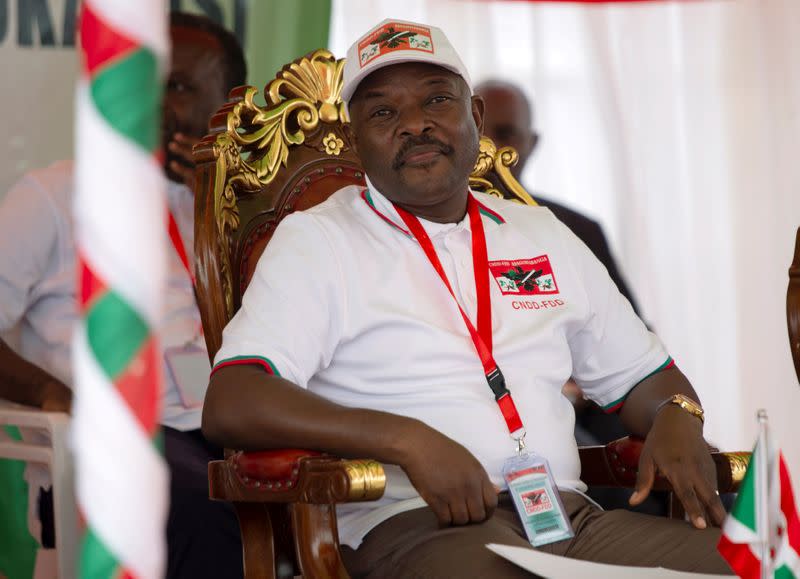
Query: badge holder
(189, 367)
(536, 498)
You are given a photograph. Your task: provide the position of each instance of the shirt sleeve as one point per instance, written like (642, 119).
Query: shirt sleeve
(292, 312)
(28, 233)
(613, 350)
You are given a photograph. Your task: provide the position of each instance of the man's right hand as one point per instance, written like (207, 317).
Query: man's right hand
(448, 477)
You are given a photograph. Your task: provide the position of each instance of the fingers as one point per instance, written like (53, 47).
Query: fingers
(479, 503)
(182, 163)
(476, 507)
(644, 479)
(471, 504)
(442, 511)
(184, 172)
(181, 145)
(694, 483)
(712, 503)
(459, 513)
(695, 486)
(464, 501)
(691, 503)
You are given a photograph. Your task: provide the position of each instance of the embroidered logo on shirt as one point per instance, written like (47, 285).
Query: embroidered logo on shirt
(524, 277)
(394, 36)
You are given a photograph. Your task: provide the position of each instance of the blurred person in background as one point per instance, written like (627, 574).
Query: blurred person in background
(38, 296)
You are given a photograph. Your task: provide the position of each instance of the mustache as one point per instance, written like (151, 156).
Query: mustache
(421, 140)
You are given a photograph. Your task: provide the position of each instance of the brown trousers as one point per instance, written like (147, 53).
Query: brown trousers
(412, 546)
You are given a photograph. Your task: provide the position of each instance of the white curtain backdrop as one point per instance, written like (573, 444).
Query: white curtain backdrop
(677, 125)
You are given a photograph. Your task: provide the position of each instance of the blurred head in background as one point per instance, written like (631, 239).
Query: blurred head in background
(207, 62)
(508, 119)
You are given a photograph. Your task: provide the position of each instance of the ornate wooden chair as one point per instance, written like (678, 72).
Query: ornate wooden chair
(258, 164)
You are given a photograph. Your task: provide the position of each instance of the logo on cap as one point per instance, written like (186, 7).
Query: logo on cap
(394, 36)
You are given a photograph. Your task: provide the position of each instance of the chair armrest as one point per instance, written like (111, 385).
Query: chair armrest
(56, 424)
(294, 476)
(52, 450)
(616, 465)
(731, 468)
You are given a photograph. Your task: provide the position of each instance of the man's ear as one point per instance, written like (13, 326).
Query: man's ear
(351, 136)
(534, 140)
(478, 107)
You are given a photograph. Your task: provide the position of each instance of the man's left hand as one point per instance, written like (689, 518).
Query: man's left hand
(675, 447)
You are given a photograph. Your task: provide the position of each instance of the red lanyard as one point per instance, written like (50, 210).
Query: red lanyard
(180, 247)
(482, 337)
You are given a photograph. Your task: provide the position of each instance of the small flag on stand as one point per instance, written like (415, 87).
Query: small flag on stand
(120, 212)
(761, 536)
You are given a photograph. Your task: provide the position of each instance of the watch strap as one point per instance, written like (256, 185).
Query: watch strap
(684, 402)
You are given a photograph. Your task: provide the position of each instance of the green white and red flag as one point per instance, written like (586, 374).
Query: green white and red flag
(761, 536)
(120, 235)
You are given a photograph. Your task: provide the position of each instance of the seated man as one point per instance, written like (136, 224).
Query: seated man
(38, 285)
(392, 348)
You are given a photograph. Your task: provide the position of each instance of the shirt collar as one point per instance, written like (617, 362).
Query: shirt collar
(385, 209)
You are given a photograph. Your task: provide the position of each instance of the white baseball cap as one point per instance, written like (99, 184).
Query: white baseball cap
(396, 41)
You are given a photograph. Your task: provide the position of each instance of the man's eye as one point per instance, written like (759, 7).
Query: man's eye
(439, 99)
(380, 113)
(177, 86)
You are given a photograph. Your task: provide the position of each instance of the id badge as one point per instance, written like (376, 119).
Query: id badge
(190, 370)
(536, 498)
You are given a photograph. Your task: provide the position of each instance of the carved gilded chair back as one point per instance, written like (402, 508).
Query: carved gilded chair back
(261, 162)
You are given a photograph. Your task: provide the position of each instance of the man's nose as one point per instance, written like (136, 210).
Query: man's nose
(414, 121)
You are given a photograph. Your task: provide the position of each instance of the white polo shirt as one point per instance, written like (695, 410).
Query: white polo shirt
(344, 302)
(38, 278)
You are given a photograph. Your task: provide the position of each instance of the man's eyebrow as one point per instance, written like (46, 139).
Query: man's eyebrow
(372, 93)
(378, 92)
(439, 80)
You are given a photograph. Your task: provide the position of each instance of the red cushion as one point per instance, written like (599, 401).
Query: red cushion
(270, 465)
(623, 456)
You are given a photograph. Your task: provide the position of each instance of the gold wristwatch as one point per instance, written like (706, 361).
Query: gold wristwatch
(685, 403)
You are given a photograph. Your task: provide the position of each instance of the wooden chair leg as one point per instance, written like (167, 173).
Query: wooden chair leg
(283, 541)
(317, 541)
(257, 540)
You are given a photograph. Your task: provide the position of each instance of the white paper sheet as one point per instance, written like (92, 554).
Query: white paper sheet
(554, 567)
